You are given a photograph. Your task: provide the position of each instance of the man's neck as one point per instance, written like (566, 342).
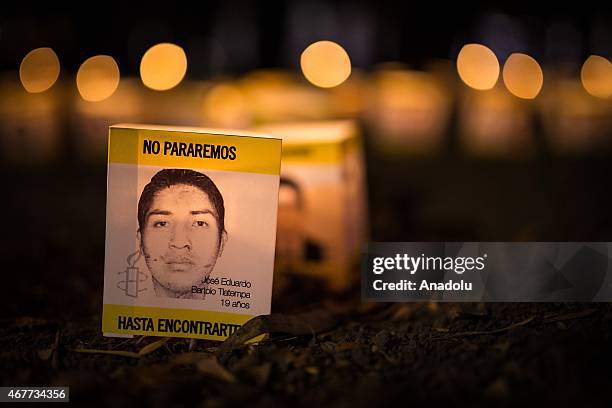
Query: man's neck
(163, 291)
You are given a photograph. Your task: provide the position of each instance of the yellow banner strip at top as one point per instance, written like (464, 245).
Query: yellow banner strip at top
(319, 152)
(165, 322)
(181, 149)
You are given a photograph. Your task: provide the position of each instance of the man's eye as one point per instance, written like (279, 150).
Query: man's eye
(200, 224)
(160, 224)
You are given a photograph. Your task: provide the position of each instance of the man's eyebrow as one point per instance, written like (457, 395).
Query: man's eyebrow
(158, 212)
(198, 212)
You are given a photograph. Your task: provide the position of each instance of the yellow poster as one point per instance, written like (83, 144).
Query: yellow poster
(190, 230)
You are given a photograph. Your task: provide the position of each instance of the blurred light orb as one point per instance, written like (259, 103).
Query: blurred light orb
(39, 70)
(225, 106)
(478, 66)
(596, 76)
(163, 66)
(98, 78)
(325, 64)
(523, 76)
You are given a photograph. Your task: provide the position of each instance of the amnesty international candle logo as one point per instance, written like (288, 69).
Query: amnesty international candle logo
(132, 276)
(193, 213)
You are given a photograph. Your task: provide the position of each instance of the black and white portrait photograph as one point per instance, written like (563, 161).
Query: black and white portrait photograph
(181, 229)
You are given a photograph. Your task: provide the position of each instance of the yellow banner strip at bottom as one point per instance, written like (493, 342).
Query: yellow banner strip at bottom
(164, 322)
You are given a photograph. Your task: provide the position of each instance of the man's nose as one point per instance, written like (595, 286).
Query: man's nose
(180, 238)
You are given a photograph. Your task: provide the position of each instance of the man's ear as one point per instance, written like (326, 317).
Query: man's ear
(222, 242)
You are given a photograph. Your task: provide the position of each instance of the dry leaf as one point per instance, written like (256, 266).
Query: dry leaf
(210, 366)
(304, 323)
(149, 348)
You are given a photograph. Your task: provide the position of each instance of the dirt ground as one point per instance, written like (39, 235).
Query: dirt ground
(370, 354)
(420, 354)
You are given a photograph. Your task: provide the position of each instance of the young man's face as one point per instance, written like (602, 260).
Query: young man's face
(180, 240)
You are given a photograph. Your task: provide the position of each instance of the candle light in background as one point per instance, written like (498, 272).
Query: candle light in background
(596, 76)
(478, 66)
(408, 111)
(90, 120)
(163, 66)
(225, 105)
(576, 122)
(180, 105)
(30, 123)
(97, 81)
(30, 120)
(349, 99)
(491, 121)
(494, 123)
(278, 96)
(523, 76)
(97, 78)
(39, 70)
(325, 64)
(322, 216)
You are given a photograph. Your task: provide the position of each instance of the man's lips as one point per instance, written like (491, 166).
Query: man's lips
(179, 264)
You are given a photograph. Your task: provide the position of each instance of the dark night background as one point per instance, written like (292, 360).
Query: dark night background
(53, 214)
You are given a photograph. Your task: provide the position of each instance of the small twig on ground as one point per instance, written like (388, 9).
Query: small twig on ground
(168, 349)
(496, 331)
(570, 316)
(111, 352)
(148, 349)
(140, 339)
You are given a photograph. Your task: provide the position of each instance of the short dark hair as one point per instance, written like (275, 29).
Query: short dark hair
(289, 183)
(170, 177)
